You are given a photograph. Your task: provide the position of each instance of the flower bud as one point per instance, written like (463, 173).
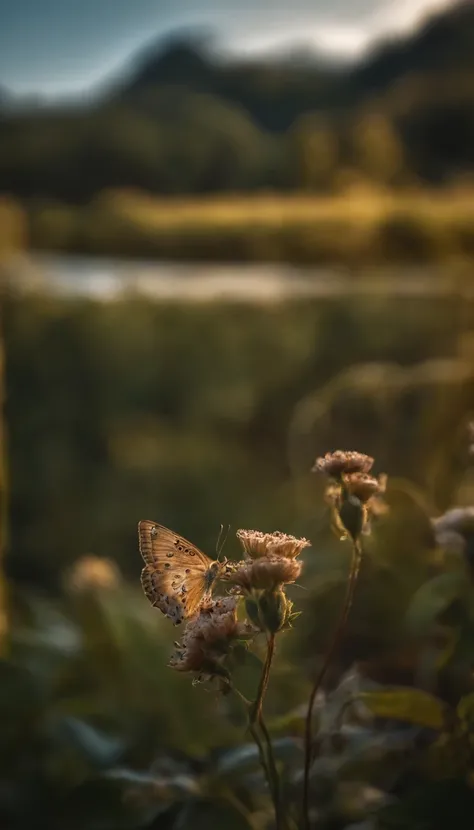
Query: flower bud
(253, 612)
(352, 516)
(273, 606)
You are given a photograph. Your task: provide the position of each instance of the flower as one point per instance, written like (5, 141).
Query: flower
(352, 493)
(208, 638)
(361, 485)
(454, 531)
(334, 464)
(257, 544)
(458, 520)
(217, 623)
(92, 573)
(265, 573)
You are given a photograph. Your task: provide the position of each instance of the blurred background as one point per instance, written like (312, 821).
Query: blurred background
(231, 239)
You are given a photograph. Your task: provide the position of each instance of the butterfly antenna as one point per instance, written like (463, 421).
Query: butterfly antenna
(220, 547)
(221, 530)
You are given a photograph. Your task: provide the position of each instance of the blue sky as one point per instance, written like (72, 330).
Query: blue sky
(56, 47)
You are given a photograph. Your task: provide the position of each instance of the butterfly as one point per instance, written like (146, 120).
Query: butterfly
(178, 578)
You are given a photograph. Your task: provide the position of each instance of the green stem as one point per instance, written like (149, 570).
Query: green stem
(256, 716)
(256, 737)
(270, 754)
(240, 808)
(333, 646)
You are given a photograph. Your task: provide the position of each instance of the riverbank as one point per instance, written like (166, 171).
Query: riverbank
(106, 279)
(356, 230)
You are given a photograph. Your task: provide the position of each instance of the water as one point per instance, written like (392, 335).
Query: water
(108, 280)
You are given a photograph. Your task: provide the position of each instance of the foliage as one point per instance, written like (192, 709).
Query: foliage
(185, 123)
(100, 734)
(378, 229)
(115, 411)
(86, 705)
(113, 414)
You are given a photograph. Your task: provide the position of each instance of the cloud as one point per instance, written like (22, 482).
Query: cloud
(338, 28)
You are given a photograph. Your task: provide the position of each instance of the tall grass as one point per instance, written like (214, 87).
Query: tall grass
(360, 228)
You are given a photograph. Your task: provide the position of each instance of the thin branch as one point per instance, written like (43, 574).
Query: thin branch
(333, 646)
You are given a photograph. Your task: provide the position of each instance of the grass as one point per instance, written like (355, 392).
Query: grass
(363, 207)
(363, 227)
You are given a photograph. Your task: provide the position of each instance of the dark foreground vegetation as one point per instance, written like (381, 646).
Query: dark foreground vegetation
(201, 415)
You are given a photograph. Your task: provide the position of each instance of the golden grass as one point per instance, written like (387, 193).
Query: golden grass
(362, 227)
(363, 208)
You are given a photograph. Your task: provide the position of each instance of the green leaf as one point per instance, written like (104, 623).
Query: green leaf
(465, 710)
(292, 721)
(112, 803)
(366, 753)
(463, 649)
(203, 815)
(246, 757)
(409, 705)
(19, 693)
(238, 759)
(433, 598)
(96, 748)
(177, 786)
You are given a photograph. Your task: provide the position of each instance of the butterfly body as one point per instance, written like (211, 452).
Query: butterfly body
(178, 577)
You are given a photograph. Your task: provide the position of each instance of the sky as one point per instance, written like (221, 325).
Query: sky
(54, 48)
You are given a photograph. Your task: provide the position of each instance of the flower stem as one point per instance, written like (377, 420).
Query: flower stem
(252, 727)
(256, 717)
(270, 754)
(333, 646)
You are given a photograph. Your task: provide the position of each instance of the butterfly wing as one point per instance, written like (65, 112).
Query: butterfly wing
(160, 594)
(174, 577)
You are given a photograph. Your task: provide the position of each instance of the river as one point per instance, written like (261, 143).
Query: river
(108, 280)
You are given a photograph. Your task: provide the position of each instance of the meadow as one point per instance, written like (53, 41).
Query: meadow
(206, 414)
(376, 228)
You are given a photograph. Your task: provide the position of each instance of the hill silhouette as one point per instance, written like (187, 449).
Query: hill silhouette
(188, 121)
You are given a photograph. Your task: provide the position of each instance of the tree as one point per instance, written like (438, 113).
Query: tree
(376, 148)
(316, 148)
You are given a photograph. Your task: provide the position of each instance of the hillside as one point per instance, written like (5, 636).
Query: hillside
(186, 122)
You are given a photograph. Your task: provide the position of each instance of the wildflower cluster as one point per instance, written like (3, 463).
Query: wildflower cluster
(353, 494)
(257, 584)
(270, 563)
(209, 638)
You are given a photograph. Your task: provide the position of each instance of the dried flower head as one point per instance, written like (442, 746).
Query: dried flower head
(208, 638)
(454, 532)
(91, 573)
(334, 464)
(457, 520)
(354, 501)
(257, 544)
(217, 623)
(266, 573)
(361, 485)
